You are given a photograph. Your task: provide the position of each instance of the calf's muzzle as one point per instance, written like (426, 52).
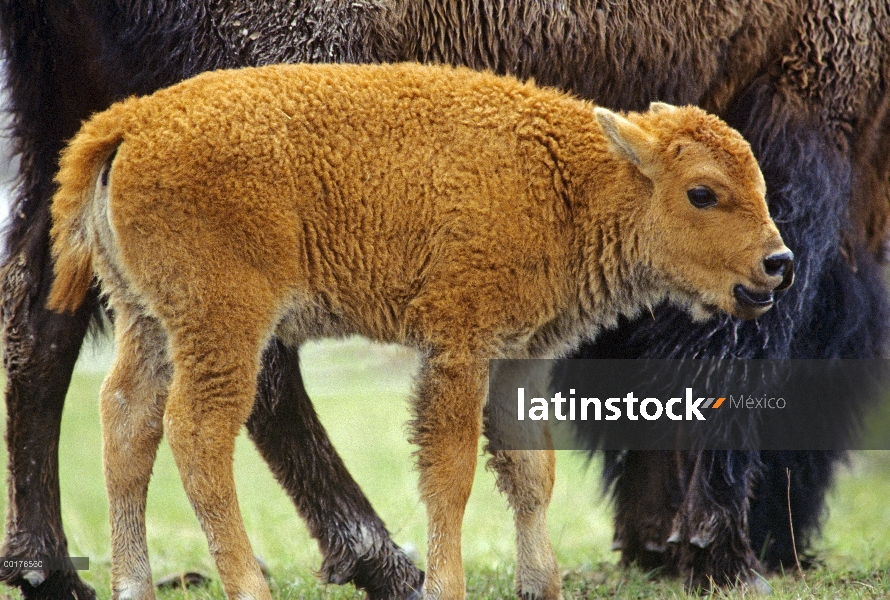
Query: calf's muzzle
(780, 264)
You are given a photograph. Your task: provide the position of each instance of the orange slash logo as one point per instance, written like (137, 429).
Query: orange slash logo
(716, 404)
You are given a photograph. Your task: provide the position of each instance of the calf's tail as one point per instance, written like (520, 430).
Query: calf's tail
(83, 167)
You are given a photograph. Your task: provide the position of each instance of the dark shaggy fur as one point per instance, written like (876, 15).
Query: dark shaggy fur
(805, 80)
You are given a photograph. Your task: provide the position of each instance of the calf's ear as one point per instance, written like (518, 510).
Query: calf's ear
(661, 107)
(627, 140)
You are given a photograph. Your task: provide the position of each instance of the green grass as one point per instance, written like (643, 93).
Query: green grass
(361, 393)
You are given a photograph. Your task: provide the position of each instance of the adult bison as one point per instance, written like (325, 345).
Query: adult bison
(806, 81)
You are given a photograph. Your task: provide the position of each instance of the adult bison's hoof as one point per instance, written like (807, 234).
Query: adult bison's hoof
(385, 572)
(716, 565)
(410, 588)
(759, 585)
(752, 583)
(417, 593)
(649, 556)
(58, 585)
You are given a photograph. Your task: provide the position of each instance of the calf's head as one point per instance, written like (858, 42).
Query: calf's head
(704, 231)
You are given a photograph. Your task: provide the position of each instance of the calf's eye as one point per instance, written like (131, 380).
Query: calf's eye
(702, 197)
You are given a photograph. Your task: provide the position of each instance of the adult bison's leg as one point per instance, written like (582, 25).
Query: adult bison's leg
(685, 512)
(847, 315)
(40, 349)
(790, 494)
(709, 538)
(788, 498)
(353, 540)
(647, 491)
(51, 88)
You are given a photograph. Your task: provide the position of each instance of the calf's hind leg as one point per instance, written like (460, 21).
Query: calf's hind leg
(132, 407)
(214, 382)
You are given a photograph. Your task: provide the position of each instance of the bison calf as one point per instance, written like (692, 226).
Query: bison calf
(466, 215)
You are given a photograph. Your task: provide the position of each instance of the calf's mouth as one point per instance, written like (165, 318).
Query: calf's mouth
(749, 298)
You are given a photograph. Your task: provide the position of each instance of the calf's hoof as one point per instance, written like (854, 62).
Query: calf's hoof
(543, 585)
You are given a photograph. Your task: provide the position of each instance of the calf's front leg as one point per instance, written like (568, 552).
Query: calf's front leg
(523, 458)
(526, 477)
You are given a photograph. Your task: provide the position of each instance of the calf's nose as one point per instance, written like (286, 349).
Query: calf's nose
(780, 264)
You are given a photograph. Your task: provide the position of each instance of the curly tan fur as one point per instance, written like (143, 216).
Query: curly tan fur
(464, 214)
